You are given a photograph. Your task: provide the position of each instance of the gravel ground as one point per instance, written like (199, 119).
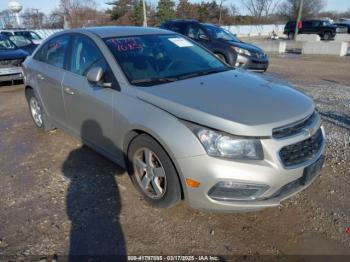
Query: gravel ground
(59, 197)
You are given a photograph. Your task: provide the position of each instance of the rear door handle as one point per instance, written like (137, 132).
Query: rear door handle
(68, 91)
(40, 76)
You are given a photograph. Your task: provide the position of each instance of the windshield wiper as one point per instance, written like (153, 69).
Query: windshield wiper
(205, 72)
(154, 80)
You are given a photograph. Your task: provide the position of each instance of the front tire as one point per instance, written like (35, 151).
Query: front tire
(221, 57)
(153, 173)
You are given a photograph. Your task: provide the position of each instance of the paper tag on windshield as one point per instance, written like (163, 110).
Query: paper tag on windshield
(180, 42)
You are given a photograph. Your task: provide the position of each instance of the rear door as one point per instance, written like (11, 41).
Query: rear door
(49, 71)
(89, 106)
(307, 27)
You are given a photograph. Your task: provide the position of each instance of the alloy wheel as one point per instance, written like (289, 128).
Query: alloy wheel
(36, 112)
(149, 172)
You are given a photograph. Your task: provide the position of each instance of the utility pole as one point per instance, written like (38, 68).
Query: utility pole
(301, 2)
(144, 14)
(220, 11)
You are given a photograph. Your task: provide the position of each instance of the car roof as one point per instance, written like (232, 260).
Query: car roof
(115, 31)
(181, 21)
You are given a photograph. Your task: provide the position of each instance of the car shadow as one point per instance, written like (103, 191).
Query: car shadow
(93, 203)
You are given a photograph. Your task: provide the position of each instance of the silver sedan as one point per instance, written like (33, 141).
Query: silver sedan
(184, 124)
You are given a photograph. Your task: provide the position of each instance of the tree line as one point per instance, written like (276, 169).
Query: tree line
(84, 13)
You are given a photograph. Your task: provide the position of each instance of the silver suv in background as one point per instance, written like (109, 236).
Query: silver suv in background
(183, 123)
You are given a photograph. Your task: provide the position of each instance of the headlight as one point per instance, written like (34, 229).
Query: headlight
(241, 51)
(219, 144)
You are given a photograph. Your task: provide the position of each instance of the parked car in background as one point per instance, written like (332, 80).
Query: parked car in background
(324, 28)
(222, 43)
(345, 24)
(182, 122)
(29, 34)
(11, 59)
(23, 43)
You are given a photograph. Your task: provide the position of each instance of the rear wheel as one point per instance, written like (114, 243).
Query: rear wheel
(153, 173)
(37, 112)
(327, 36)
(291, 35)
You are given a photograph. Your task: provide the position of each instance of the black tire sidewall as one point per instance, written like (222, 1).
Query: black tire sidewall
(327, 36)
(173, 190)
(291, 35)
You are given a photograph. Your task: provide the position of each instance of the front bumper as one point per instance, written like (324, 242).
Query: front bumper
(252, 63)
(11, 73)
(283, 183)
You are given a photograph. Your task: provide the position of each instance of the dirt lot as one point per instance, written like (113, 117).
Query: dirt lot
(59, 197)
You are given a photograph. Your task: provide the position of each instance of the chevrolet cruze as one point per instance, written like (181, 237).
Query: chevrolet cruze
(184, 124)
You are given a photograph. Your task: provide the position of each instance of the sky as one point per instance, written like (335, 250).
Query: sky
(47, 5)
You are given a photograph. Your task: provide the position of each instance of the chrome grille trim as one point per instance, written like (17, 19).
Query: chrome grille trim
(296, 127)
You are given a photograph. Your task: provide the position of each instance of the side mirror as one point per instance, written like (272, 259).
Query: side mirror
(203, 37)
(95, 75)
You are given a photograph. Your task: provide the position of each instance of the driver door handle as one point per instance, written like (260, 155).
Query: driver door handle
(68, 91)
(40, 76)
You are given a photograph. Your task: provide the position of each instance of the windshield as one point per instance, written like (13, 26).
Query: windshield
(219, 33)
(154, 59)
(20, 41)
(6, 44)
(29, 34)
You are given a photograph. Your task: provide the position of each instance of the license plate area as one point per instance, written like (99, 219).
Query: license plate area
(311, 171)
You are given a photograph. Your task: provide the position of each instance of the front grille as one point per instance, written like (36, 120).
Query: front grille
(295, 128)
(11, 63)
(302, 151)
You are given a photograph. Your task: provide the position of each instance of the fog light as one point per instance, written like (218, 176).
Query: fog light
(231, 191)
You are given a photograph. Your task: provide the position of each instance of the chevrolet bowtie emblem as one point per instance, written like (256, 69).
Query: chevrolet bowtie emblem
(309, 131)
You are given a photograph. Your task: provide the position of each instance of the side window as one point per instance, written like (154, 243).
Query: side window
(194, 31)
(307, 24)
(6, 33)
(315, 23)
(86, 55)
(179, 28)
(54, 51)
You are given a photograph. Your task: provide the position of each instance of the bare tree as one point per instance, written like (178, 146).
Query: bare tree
(80, 13)
(311, 8)
(260, 8)
(33, 18)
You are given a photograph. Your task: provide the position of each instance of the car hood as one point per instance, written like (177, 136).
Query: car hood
(13, 54)
(236, 102)
(247, 46)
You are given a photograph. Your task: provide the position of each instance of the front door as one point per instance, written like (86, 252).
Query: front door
(89, 106)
